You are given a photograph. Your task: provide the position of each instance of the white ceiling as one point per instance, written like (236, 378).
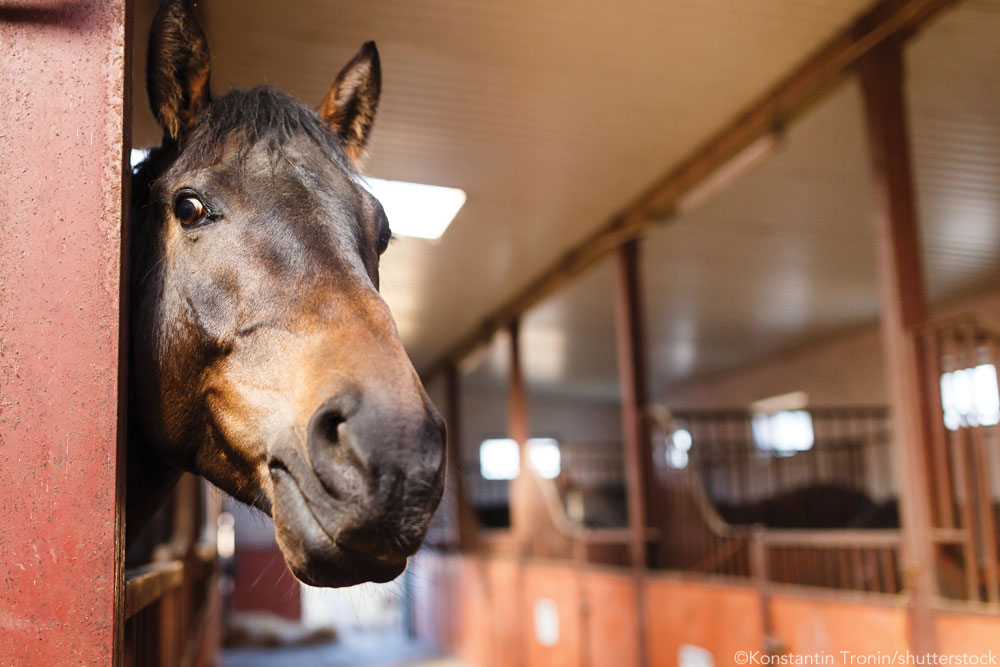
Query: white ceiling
(785, 254)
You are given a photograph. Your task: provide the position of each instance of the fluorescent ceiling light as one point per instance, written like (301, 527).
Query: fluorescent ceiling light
(416, 210)
(137, 156)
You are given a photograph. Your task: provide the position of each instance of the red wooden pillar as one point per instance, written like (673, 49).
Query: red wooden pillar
(632, 378)
(902, 310)
(630, 336)
(64, 98)
(524, 509)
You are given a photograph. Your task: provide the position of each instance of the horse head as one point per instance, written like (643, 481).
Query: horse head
(262, 356)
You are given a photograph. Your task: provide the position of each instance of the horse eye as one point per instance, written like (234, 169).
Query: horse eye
(189, 210)
(383, 240)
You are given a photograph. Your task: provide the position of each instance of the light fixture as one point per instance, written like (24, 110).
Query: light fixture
(137, 156)
(416, 210)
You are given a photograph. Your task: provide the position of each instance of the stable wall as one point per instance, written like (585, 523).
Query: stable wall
(482, 609)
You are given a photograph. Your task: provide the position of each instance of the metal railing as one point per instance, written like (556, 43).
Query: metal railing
(965, 466)
(172, 603)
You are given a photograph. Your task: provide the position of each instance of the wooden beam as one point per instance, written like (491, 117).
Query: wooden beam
(774, 109)
(903, 311)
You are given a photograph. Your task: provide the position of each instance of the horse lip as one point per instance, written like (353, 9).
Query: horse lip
(389, 561)
(374, 568)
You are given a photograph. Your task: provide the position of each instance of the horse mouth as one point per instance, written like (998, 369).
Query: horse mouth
(311, 547)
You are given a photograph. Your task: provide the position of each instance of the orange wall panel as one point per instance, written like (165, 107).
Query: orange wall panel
(959, 633)
(721, 619)
(562, 585)
(809, 625)
(611, 632)
(507, 645)
(475, 615)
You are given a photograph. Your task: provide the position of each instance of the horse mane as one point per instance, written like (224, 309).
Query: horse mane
(237, 121)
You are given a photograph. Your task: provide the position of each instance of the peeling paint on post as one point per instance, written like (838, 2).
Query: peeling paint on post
(63, 101)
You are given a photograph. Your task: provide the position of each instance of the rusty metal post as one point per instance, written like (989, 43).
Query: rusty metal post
(524, 509)
(903, 310)
(632, 378)
(64, 100)
(630, 335)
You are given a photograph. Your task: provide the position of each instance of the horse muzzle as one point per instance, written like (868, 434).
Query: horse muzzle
(354, 501)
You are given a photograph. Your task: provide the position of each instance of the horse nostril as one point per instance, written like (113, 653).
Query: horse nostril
(327, 427)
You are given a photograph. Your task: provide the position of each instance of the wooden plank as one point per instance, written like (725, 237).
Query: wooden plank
(775, 108)
(147, 584)
(65, 105)
(903, 311)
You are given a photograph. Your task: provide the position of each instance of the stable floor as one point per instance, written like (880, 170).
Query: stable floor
(370, 652)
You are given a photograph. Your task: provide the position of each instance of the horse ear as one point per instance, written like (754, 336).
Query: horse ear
(350, 105)
(177, 67)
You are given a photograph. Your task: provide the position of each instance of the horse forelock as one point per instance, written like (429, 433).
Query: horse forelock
(236, 122)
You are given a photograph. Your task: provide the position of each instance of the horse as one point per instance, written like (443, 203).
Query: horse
(261, 355)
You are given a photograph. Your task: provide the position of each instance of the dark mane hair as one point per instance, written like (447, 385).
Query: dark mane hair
(246, 117)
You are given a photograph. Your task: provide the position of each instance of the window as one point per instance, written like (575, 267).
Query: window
(969, 397)
(544, 457)
(785, 432)
(781, 424)
(500, 458)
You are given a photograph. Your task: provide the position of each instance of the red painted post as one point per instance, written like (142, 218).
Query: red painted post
(63, 101)
(903, 311)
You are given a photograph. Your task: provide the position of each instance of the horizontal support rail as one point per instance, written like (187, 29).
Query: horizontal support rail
(844, 539)
(146, 584)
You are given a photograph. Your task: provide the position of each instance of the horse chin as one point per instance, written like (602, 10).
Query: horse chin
(312, 554)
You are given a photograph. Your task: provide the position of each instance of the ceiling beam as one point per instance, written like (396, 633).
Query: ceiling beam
(889, 19)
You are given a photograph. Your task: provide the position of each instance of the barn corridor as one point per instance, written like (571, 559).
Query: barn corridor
(706, 294)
